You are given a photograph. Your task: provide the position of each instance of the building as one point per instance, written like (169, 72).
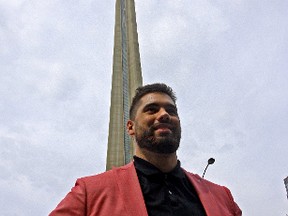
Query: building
(126, 78)
(286, 185)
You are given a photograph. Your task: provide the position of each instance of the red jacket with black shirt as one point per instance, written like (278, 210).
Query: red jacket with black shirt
(118, 192)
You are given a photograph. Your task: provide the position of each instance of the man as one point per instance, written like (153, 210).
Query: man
(154, 183)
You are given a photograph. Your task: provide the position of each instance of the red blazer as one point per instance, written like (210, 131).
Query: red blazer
(118, 193)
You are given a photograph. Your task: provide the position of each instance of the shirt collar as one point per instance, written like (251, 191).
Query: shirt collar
(149, 169)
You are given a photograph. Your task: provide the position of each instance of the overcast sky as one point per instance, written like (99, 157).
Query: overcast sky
(226, 60)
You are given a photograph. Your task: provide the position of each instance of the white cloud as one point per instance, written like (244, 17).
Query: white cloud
(180, 27)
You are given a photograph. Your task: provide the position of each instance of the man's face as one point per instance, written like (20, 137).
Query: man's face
(156, 126)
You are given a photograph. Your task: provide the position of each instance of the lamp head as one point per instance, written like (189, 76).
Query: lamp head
(211, 161)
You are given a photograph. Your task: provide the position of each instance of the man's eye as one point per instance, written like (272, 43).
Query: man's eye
(151, 109)
(172, 111)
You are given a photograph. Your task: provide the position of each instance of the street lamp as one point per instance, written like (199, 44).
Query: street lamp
(210, 161)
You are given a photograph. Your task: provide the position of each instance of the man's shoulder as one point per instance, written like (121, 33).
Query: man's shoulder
(202, 185)
(106, 177)
(201, 180)
(213, 191)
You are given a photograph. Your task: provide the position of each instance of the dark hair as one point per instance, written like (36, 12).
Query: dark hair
(151, 88)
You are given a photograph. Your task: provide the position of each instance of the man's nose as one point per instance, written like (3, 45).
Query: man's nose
(163, 116)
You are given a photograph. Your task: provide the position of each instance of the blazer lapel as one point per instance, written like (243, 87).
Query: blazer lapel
(130, 190)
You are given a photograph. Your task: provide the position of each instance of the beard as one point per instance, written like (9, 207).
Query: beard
(163, 143)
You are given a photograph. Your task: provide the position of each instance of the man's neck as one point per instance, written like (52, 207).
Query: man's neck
(164, 162)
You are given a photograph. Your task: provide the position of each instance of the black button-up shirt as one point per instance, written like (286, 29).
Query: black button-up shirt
(167, 193)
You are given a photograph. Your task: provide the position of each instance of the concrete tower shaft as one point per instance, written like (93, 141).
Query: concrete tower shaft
(126, 78)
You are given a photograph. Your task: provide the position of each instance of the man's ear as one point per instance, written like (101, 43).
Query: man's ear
(130, 127)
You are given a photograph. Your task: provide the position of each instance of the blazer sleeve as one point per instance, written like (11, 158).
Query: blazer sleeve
(237, 211)
(74, 203)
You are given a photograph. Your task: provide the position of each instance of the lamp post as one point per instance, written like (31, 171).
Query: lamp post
(210, 161)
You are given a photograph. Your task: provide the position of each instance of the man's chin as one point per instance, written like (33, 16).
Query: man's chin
(162, 145)
(163, 138)
(166, 149)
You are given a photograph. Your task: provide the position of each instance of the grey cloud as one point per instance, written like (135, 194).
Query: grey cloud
(226, 60)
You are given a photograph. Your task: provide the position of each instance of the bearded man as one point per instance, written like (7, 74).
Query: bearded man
(154, 183)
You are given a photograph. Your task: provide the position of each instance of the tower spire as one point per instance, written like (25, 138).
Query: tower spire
(126, 78)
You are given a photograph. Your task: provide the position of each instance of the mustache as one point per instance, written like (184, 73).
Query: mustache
(161, 125)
